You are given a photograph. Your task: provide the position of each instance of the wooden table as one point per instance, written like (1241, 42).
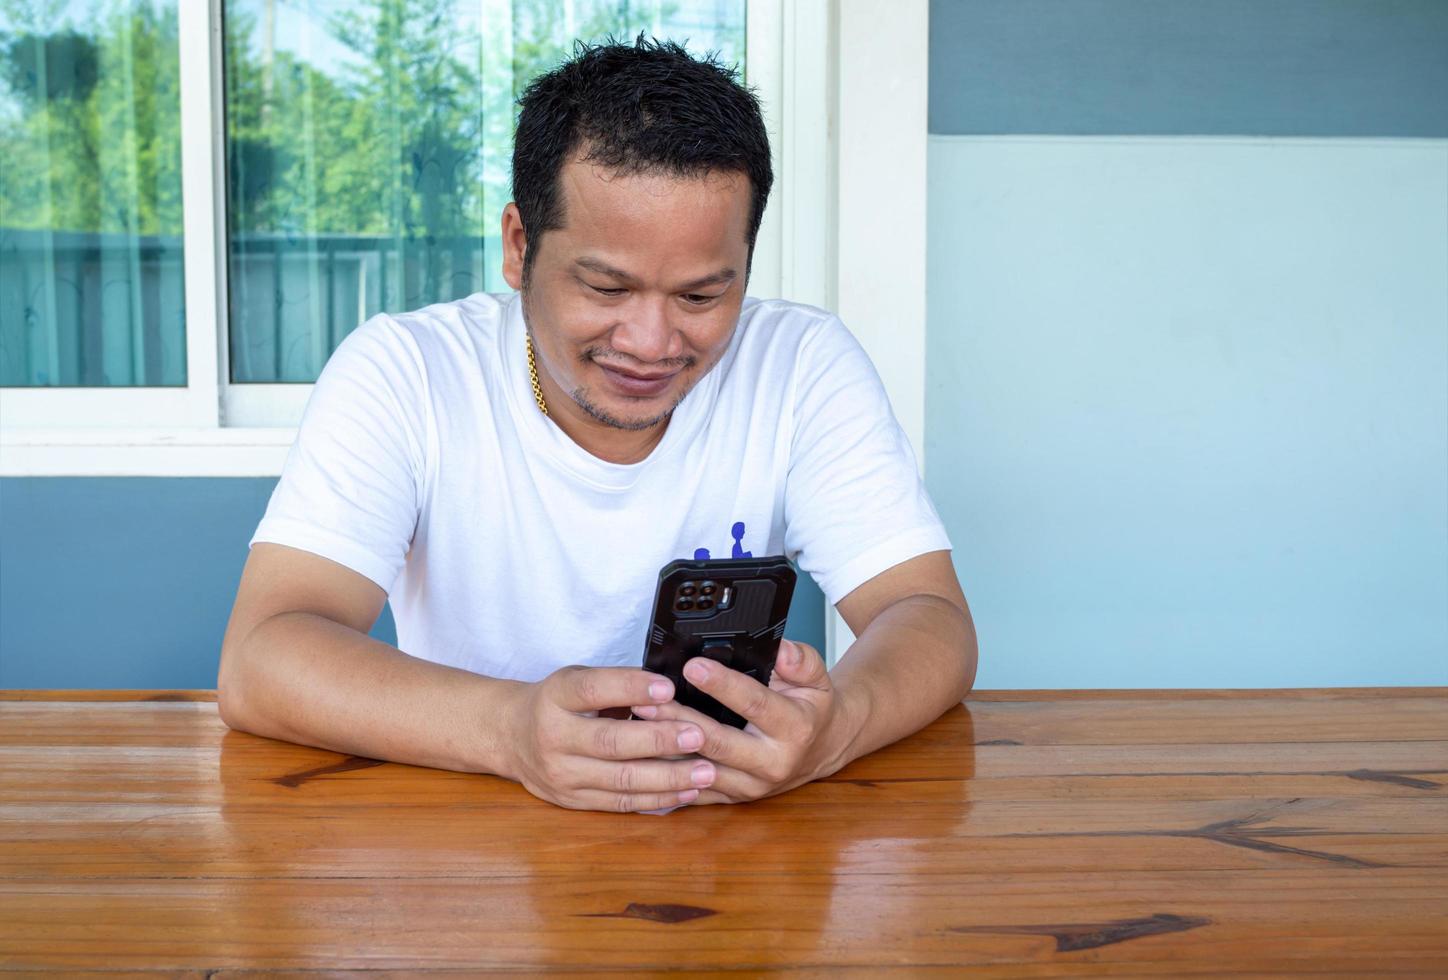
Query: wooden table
(1028, 834)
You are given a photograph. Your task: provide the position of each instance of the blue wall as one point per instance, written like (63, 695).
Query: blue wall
(123, 583)
(128, 583)
(1224, 67)
(1187, 395)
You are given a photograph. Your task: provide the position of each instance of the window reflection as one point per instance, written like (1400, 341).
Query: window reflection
(91, 288)
(368, 149)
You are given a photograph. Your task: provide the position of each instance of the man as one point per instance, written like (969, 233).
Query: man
(513, 471)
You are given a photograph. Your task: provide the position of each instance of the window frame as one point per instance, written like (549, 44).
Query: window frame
(211, 427)
(67, 411)
(819, 221)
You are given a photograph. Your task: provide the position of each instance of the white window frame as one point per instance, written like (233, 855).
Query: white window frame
(843, 84)
(66, 412)
(211, 427)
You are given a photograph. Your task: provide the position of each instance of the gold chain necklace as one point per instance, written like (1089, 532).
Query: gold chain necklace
(533, 374)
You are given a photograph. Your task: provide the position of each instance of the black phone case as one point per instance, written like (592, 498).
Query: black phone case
(745, 635)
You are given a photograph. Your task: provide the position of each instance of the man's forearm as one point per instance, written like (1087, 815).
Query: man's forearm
(304, 678)
(916, 659)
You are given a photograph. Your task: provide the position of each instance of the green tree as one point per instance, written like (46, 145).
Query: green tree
(90, 122)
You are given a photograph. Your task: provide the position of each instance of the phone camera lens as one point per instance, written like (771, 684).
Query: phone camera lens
(685, 604)
(706, 603)
(707, 588)
(687, 588)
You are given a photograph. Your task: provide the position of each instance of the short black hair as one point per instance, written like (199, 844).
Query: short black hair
(645, 107)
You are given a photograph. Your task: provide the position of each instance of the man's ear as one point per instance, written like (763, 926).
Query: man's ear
(515, 246)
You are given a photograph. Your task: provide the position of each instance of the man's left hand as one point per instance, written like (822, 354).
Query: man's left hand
(797, 730)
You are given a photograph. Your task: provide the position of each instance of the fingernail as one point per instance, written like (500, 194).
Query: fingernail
(796, 656)
(660, 690)
(688, 796)
(702, 775)
(645, 710)
(696, 671)
(690, 739)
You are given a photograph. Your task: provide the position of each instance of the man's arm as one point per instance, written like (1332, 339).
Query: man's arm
(296, 664)
(914, 655)
(914, 658)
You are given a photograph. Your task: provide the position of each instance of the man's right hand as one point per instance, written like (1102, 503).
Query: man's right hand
(563, 752)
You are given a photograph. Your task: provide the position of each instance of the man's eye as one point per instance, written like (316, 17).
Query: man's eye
(607, 291)
(698, 299)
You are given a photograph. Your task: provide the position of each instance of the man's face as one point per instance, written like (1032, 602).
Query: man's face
(635, 298)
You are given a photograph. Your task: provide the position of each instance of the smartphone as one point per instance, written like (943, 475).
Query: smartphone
(727, 609)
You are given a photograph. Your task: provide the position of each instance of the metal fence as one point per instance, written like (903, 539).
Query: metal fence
(93, 309)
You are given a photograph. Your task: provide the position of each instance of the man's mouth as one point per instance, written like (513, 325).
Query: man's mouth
(635, 384)
(637, 375)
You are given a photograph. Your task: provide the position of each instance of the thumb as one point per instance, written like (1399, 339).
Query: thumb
(801, 665)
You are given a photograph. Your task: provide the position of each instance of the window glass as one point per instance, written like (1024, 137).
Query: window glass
(368, 146)
(91, 289)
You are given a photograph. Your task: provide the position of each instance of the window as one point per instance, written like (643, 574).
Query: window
(279, 170)
(91, 269)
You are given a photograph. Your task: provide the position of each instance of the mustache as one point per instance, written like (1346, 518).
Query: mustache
(610, 356)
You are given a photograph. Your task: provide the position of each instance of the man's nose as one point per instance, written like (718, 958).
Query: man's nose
(646, 332)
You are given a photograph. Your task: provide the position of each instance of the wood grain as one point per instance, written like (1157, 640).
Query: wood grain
(1141, 833)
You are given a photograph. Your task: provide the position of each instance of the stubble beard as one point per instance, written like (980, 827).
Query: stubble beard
(581, 399)
(580, 394)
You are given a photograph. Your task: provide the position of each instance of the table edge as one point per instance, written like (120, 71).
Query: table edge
(1089, 694)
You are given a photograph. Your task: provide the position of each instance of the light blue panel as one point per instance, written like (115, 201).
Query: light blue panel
(1187, 407)
(128, 583)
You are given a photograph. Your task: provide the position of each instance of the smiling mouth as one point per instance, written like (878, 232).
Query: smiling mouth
(638, 377)
(637, 385)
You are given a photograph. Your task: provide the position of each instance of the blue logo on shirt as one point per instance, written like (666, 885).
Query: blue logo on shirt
(737, 532)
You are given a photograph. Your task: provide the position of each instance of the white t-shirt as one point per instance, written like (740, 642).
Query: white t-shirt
(423, 463)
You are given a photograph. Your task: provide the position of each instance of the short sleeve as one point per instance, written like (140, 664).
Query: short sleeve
(351, 488)
(854, 501)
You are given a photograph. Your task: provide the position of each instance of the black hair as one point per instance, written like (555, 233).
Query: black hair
(646, 107)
